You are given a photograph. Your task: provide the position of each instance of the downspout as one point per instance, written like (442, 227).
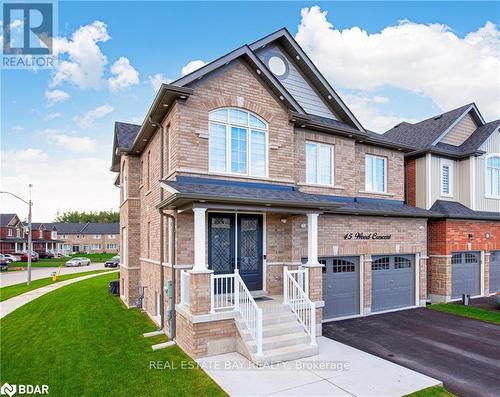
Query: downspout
(172, 264)
(162, 272)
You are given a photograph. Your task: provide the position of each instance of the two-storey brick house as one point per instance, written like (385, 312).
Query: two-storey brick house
(11, 234)
(88, 237)
(251, 184)
(454, 170)
(44, 237)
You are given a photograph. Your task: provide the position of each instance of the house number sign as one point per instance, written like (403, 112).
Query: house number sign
(366, 236)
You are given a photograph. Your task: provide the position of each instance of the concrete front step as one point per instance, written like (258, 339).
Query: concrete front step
(277, 318)
(282, 328)
(287, 353)
(276, 342)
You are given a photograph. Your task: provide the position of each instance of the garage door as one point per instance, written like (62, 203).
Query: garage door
(393, 282)
(340, 286)
(494, 271)
(465, 274)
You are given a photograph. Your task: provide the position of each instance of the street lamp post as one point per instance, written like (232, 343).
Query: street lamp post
(30, 204)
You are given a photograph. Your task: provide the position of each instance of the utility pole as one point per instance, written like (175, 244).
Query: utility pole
(30, 204)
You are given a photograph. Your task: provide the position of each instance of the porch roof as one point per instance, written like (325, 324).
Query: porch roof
(186, 190)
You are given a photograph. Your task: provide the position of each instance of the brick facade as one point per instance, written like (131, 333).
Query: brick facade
(411, 182)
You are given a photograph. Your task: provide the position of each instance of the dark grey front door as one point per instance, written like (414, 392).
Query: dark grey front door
(393, 282)
(340, 286)
(494, 271)
(465, 274)
(236, 240)
(250, 258)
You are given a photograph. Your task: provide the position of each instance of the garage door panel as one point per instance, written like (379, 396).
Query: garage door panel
(340, 286)
(495, 271)
(393, 282)
(465, 274)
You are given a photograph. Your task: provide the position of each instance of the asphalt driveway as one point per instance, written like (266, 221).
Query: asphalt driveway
(461, 352)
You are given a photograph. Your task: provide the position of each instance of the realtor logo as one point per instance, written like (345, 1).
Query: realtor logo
(28, 33)
(8, 389)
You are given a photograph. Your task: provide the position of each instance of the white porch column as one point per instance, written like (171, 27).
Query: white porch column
(200, 263)
(312, 239)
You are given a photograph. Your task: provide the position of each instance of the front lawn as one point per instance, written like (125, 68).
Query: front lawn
(476, 313)
(55, 262)
(83, 342)
(18, 289)
(435, 391)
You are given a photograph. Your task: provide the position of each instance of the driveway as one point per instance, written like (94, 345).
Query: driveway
(463, 353)
(10, 278)
(338, 370)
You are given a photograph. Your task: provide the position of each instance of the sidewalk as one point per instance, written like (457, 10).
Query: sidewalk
(9, 305)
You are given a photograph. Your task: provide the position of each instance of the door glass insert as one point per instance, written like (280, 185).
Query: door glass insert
(221, 245)
(249, 244)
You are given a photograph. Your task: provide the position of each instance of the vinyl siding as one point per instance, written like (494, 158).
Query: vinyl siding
(421, 182)
(458, 134)
(297, 86)
(436, 181)
(463, 191)
(492, 145)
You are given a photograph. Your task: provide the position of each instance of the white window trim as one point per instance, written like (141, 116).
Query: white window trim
(486, 179)
(367, 156)
(332, 176)
(169, 148)
(228, 125)
(451, 166)
(10, 232)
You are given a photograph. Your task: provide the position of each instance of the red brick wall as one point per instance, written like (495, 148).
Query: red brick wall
(446, 236)
(410, 182)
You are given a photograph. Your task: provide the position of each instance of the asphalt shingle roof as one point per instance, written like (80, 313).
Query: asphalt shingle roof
(125, 134)
(69, 228)
(88, 228)
(6, 218)
(453, 209)
(212, 188)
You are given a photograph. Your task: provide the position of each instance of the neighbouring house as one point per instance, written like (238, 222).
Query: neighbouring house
(12, 237)
(90, 237)
(454, 170)
(44, 237)
(251, 184)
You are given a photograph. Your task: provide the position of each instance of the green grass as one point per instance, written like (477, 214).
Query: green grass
(83, 342)
(435, 391)
(476, 313)
(18, 289)
(61, 261)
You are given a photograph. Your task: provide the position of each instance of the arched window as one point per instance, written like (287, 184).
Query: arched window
(493, 176)
(237, 142)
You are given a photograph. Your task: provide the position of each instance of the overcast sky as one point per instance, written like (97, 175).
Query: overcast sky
(389, 62)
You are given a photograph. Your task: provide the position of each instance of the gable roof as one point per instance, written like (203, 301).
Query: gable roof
(455, 210)
(425, 135)
(69, 228)
(88, 228)
(124, 136)
(6, 219)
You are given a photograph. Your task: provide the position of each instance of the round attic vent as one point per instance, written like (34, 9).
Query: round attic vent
(277, 65)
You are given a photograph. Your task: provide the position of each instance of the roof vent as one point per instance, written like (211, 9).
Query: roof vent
(438, 117)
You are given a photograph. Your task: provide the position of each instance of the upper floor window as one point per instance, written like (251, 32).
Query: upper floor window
(375, 174)
(41, 233)
(97, 236)
(10, 232)
(111, 236)
(319, 163)
(493, 176)
(237, 142)
(53, 235)
(148, 171)
(18, 232)
(446, 177)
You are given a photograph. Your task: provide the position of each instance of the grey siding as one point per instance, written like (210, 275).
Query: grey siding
(421, 183)
(460, 132)
(492, 145)
(295, 83)
(464, 177)
(436, 181)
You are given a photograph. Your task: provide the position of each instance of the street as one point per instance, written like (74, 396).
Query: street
(10, 278)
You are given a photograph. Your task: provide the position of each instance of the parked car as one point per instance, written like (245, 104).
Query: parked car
(5, 259)
(24, 256)
(113, 262)
(4, 266)
(74, 262)
(13, 258)
(46, 254)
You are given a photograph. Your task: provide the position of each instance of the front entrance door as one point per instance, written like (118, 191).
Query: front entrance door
(236, 240)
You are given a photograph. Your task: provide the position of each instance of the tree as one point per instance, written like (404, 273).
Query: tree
(83, 217)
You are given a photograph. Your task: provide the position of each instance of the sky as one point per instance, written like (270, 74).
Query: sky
(389, 61)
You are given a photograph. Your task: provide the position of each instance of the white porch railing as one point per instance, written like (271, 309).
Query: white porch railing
(184, 287)
(297, 299)
(230, 292)
(301, 275)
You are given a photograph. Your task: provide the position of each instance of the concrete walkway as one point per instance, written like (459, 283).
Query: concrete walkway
(9, 305)
(339, 370)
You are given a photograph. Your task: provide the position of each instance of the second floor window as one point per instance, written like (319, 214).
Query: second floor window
(493, 176)
(446, 178)
(237, 142)
(375, 174)
(319, 163)
(10, 232)
(97, 236)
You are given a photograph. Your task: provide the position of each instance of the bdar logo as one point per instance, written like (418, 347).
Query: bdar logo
(8, 389)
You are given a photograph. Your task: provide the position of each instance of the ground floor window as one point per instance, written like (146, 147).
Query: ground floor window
(111, 246)
(96, 247)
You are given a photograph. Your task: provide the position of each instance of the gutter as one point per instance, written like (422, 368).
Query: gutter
(444, 153)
